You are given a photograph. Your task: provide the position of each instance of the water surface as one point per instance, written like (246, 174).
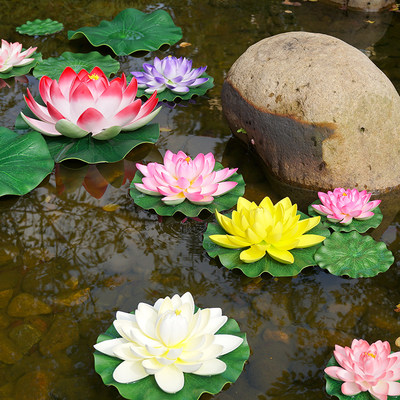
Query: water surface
(60, 246)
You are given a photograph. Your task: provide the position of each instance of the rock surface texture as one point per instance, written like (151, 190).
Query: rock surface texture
(365, 5)
(318, 112)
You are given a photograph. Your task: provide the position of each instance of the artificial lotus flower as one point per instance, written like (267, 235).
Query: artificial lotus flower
(181, 178)
(11, 55)
(267, 228)
(365, 367)
(173, 73)
(343, 205)
(83, 103)
(167, 340)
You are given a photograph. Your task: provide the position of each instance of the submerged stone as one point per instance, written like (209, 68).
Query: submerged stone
(63, 333)
(24, 305)
(318, 112)
(9, 351)
(25, 336)
(34, 385)
(5, 296)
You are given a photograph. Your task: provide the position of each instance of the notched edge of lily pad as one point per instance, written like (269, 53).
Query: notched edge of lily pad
(112, 66)
(33, 150)
(28, 27)
(230, 258)
(361, 226)
(82, 32)
(324, 256)
(147, 389)
(186, 208)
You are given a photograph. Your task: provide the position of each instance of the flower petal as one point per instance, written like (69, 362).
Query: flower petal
(170, 379)
(129, 371)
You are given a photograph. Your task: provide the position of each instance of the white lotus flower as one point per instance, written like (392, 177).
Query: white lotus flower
(167, 340)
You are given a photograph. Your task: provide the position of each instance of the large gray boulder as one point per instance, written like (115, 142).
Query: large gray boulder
(318, 112)
(365, 5)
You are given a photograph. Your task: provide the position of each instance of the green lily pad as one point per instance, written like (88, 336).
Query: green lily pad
(354, 255)
(24, 69)
(355, 225)
(40, 27)
(24, 162)
(89, 150)
(54, 66)
(333, 387)
(220, 203)
(169, 95)
(132, 30)
(195, 385)
(230, 258)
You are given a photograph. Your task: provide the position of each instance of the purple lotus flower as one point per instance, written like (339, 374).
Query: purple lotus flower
(173, 73)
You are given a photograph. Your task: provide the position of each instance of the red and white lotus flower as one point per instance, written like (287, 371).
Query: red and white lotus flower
(11, 55)
(83, 103)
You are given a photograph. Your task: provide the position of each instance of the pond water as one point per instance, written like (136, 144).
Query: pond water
(80, 245)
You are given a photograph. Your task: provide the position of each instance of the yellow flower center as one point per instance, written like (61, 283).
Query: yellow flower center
(93, 77)
(344, 194)
(370, 355)
(187, 159)
(178, 312)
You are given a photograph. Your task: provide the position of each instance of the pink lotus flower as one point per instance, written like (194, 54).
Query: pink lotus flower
(367, 367)
(79, 104)
(181, 178)
(11, 55)
(343, 205)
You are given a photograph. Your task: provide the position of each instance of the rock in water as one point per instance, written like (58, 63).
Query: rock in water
(318, 112)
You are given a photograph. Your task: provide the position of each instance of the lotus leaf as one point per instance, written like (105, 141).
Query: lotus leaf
(54, 66)
(132, 30)
(24, 161)
(39, 27)
(230, 258)
(220, 203)
(356, 225)
(354, 255)
(195, 385)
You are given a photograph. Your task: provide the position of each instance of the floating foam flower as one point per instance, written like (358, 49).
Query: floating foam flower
(267, 228)
(83, 103)
(173, 73)
(367, 368)
(181, 178)
(343, 205)
(167, 340)
(11, 55)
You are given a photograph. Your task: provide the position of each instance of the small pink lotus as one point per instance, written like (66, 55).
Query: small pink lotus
(343, 205)
(181, 178)
(11, 55)
(79, 104)
(367, 367)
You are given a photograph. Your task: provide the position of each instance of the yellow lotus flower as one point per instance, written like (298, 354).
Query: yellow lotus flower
(274, 229)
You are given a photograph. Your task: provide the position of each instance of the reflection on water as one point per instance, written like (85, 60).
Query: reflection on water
(67, 264)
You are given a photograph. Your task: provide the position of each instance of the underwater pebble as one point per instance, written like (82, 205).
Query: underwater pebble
(4, 320)
(275, 335)
(25, 336)
(38, 385)
(6, 391)
(5, 296)
(8, 253)
(63, 333)
(24, 305)
(74, 298)
(9, 352)
(9, 278)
